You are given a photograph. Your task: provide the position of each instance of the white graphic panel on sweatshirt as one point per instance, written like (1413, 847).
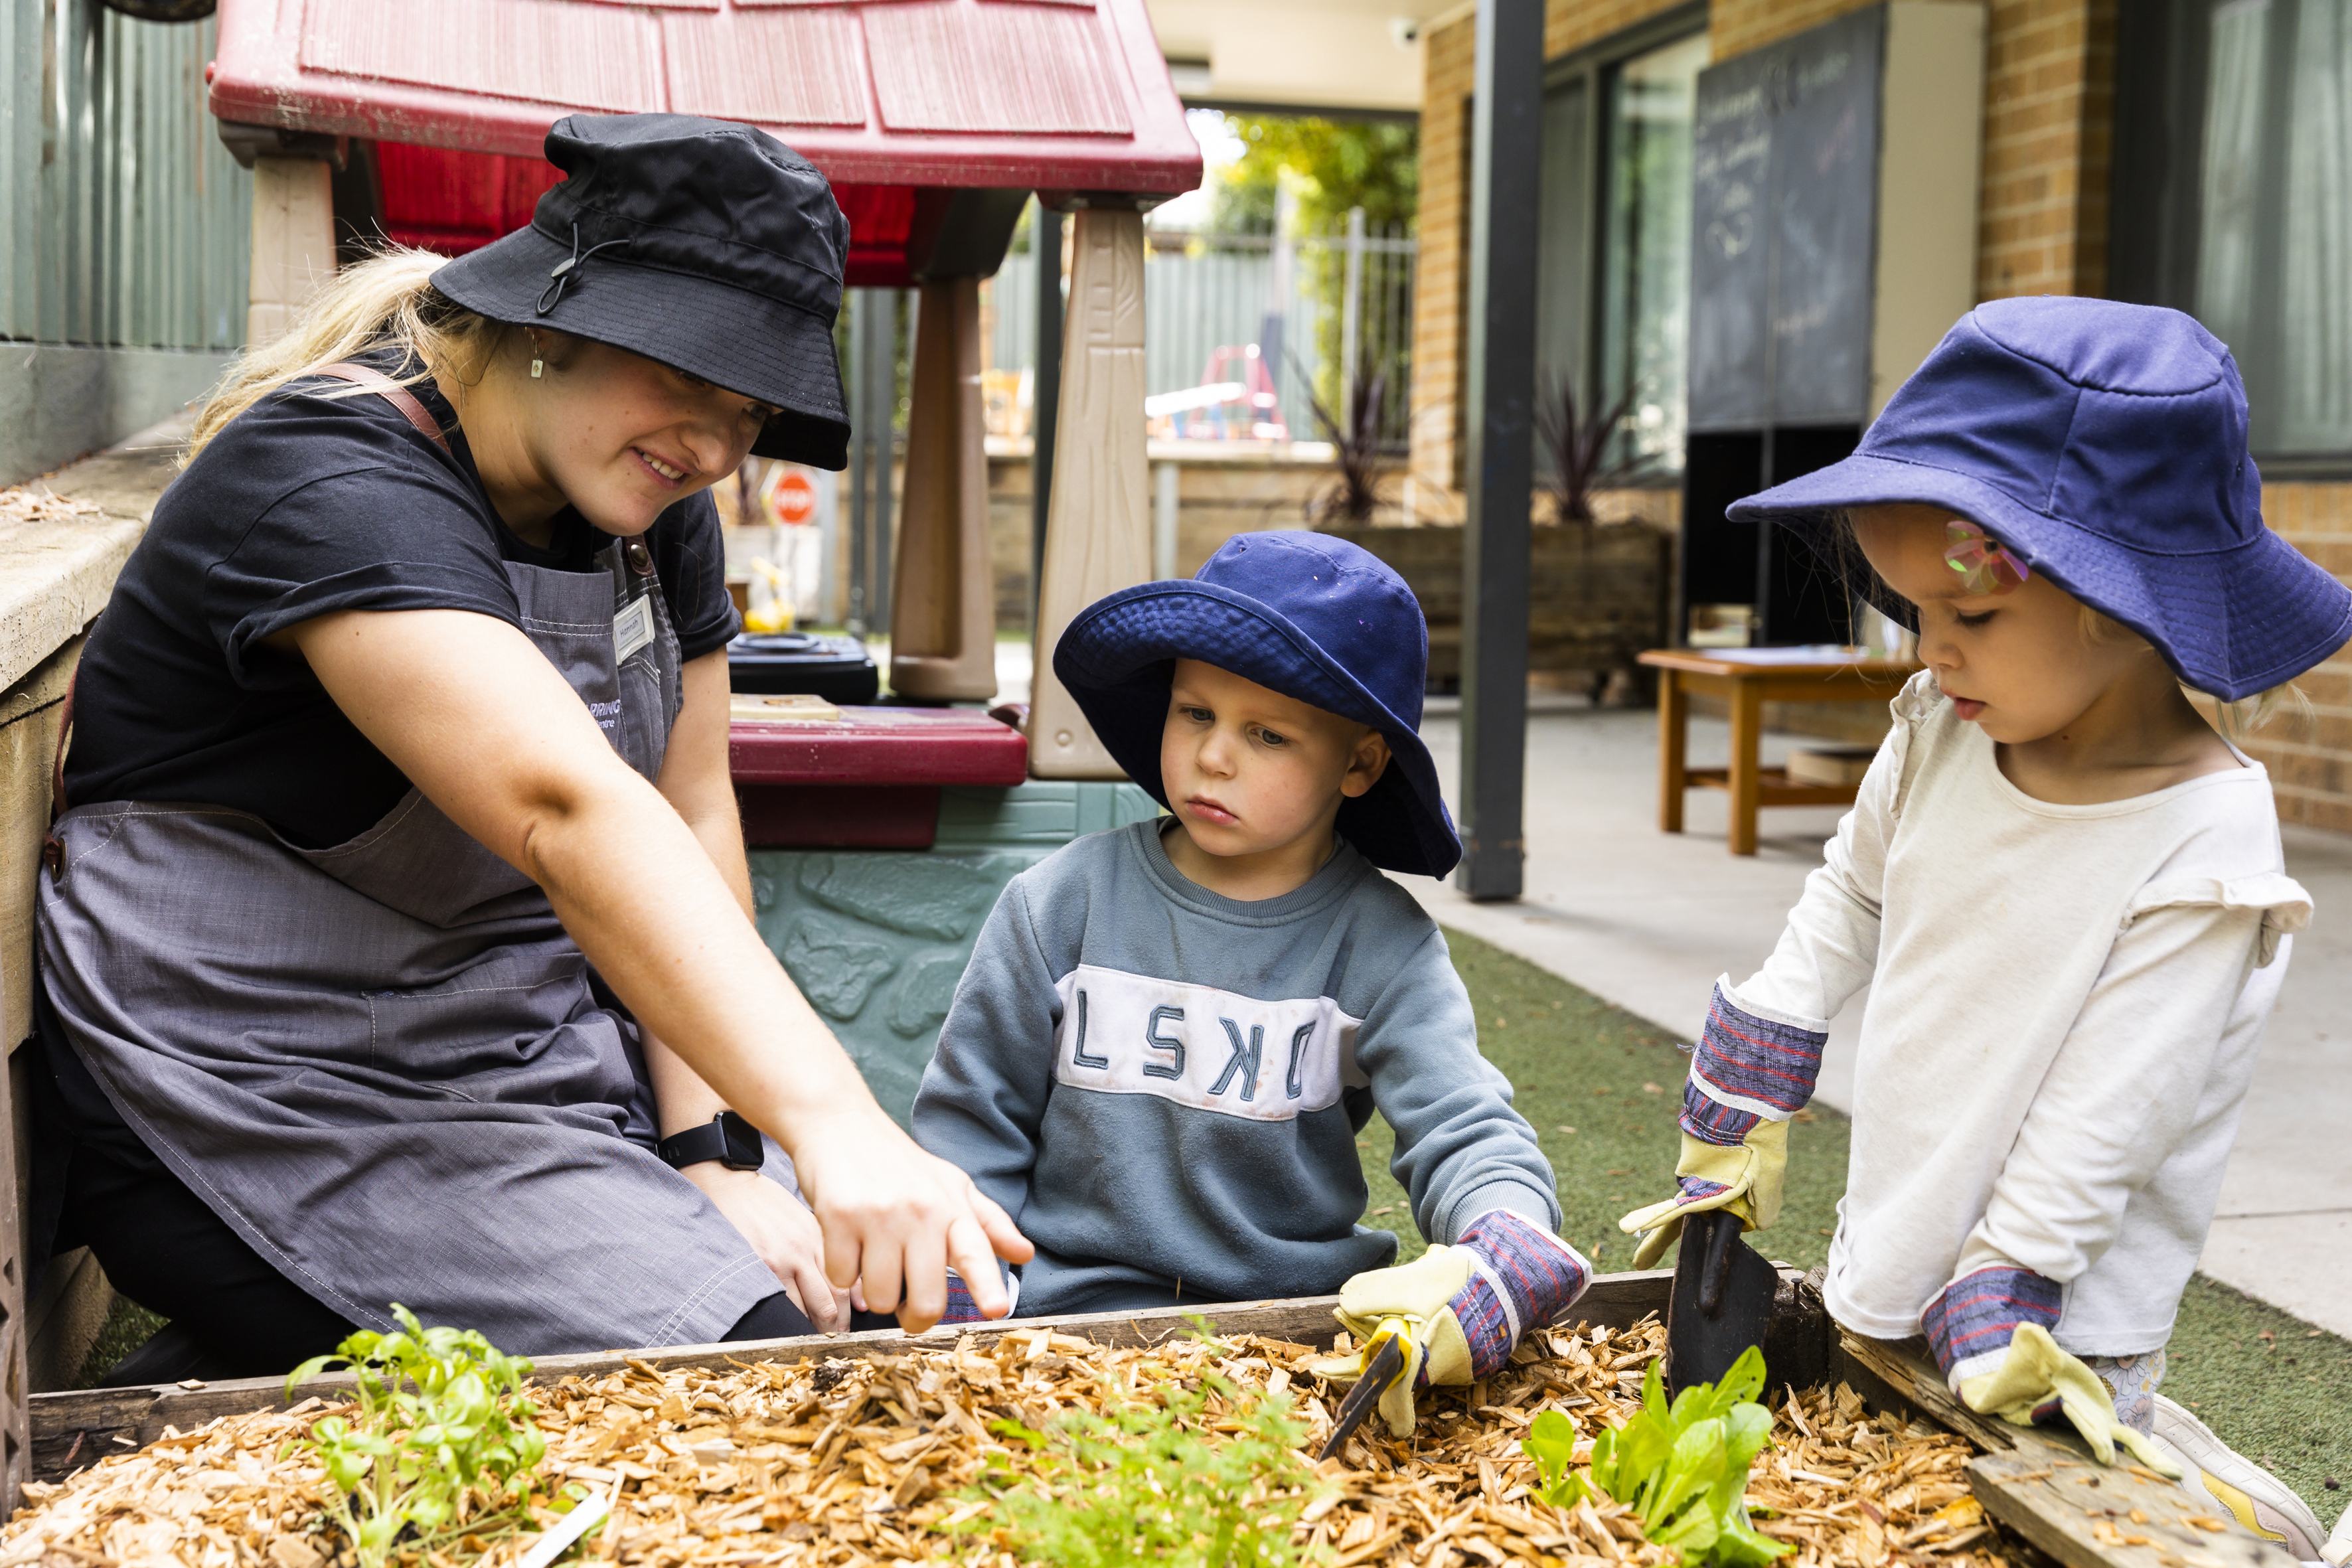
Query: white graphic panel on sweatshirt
(1203, 1048)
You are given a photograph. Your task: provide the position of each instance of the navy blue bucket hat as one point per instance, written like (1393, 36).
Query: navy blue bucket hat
(2105, 446)
(1316, 618)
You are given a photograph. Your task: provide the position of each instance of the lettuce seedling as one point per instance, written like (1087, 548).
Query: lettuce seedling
(442, 1445)
(1140, 1485)
(1682, 1469)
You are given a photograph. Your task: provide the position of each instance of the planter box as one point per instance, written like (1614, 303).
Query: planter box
(1597, 598)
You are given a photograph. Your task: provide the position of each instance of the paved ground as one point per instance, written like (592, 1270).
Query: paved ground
(1647, 921)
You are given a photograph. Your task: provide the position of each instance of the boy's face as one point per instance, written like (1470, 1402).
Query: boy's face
(1249, 771)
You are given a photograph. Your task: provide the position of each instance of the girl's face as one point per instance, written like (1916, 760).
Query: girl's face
(2016, 664)
(622, 437)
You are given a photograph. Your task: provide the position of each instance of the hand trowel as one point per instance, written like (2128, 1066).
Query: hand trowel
(1722, 1301)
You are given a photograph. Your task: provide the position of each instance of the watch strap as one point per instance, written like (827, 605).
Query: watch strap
(696, 1144)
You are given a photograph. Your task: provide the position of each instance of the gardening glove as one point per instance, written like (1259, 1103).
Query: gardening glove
(1465, 1306)
(1748, 1076)
(1990, 1333)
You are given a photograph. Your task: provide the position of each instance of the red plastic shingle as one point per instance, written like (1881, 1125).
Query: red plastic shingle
(546, 51)
(772, 68)
(958, 65)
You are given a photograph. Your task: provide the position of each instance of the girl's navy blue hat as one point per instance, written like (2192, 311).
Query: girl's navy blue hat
(2104, 445)
(1313, 617)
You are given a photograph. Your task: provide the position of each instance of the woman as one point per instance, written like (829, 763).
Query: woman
(402, 908)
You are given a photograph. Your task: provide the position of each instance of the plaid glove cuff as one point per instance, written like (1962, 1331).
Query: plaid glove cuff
(961, 1308)
(1745, 1070)
(1970, 1324)
(1521, 1276)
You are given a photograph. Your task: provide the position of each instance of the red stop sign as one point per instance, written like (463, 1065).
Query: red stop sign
(794, 497)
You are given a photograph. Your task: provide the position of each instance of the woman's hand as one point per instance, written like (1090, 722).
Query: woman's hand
(783, 1233)
(897, 1219)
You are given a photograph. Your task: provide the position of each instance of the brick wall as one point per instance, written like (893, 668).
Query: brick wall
(2311, 760)
(1448, 55)
(2049, 94)
(2049, 111)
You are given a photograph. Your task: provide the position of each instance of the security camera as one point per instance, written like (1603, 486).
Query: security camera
(1404, 31)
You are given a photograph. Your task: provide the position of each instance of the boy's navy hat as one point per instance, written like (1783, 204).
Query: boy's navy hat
(2104, 445)
(1313, 617)
(704, 243)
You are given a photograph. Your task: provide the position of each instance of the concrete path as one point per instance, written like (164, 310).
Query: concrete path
(1648, 920)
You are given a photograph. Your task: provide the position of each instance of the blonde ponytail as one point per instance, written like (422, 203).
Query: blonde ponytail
(384, 301)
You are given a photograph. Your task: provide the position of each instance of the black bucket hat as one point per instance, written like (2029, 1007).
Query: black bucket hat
(703, 244)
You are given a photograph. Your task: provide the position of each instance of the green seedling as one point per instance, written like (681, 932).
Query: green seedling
(1682, 1469)
(442, 1445)
(1139, 1484)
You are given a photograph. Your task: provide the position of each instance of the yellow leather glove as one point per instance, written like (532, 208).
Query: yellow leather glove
(1744, 1178)
(1465, 1306)
(1749, 1075)
(2036, 1374)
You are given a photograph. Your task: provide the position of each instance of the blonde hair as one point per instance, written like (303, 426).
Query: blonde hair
(2233, 721)
(386, 299)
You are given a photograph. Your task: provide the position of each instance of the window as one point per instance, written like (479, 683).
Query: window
(2234, 201)
(1616, 260)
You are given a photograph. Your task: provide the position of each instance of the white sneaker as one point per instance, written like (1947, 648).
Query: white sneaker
(2338, 1549)
(2251, 1494)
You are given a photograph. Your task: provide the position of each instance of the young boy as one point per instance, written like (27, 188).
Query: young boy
(1171, 1033)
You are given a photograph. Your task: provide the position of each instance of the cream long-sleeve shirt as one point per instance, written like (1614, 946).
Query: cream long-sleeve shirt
(2066, 1005)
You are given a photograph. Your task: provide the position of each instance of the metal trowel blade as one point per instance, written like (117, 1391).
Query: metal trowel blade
(1722, 1301)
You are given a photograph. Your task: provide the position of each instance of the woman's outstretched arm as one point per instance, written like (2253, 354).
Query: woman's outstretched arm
(482, 724)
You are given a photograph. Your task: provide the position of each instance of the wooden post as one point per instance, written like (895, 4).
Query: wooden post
(293, 242)
(943, 619)
(1099, 536)
(1674, 756)
(1746, 764)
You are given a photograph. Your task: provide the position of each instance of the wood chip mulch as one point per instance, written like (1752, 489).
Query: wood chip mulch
(846, 1462)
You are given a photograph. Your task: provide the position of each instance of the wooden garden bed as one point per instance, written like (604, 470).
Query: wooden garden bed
(865, 1447)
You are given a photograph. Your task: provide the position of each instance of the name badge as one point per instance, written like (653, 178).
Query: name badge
(633, 628)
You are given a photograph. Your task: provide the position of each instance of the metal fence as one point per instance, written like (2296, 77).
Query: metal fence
(127, 222)
(1319, 308)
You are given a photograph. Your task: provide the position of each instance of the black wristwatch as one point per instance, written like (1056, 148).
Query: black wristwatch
(726, 1138)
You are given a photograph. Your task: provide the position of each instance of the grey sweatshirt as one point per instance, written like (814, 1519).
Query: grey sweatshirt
(1163, 1086)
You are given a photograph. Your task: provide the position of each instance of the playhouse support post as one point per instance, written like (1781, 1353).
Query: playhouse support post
(943, 609)
(1098, 537)
(293, 242)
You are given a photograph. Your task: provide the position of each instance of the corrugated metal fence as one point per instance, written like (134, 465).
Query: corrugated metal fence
(128, 223)
(1207, 292)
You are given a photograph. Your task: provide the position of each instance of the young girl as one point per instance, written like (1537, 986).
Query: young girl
(2064, 889)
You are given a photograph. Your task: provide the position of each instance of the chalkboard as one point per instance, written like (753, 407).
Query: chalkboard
(1784, 230)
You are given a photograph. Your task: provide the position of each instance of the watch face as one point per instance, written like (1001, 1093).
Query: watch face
(745, 1151)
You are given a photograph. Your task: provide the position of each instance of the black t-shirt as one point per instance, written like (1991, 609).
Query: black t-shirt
(304, 505)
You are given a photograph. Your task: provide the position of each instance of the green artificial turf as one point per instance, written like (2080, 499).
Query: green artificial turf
(2269, 1384)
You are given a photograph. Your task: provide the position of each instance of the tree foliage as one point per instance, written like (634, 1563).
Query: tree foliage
(1332, 165)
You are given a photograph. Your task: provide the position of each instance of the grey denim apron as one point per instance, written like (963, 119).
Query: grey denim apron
(381, 1062)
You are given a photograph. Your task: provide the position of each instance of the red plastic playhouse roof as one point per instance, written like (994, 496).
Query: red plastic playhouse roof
(1051, 95)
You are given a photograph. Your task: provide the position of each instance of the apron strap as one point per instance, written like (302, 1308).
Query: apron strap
(65, 732)
(392, 392)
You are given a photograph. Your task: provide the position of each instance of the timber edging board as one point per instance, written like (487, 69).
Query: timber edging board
(74, 1429)
(2042, 1485)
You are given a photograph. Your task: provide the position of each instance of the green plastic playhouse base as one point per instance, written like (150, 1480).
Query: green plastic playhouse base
(876, 940)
